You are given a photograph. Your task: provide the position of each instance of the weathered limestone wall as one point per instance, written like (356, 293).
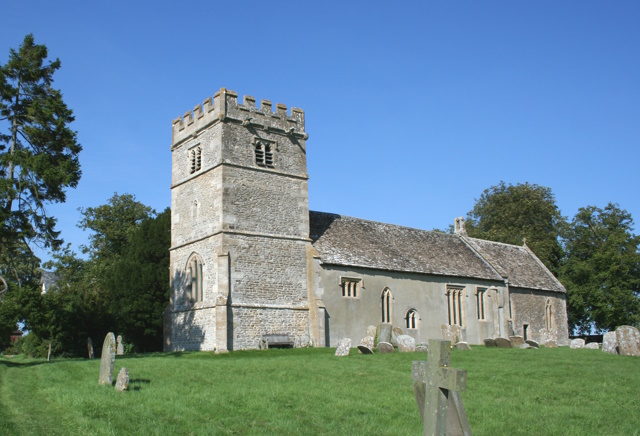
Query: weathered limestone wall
(529, 307)
(194, 329)
(249, 324)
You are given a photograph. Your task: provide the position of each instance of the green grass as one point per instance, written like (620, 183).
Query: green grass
(509, 391)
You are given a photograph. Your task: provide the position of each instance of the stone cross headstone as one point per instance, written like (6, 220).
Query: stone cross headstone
(628, 340)
(610, 343)
(108, 359)
(344, 346)
(120, 348)
(383, 333)
(366, 345)
(385, 348)
(437, 389)
(122, 382)
(406, 344)
(90, 348)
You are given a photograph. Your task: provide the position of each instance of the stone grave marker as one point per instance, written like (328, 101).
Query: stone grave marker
(385, 348)
(451, 333)
(383, 333)
(371, 331)
(366, 345)
(628, 340)
(489, 342)
(551, 344)
(532, 343)
(592, 346)
(344, 346)
(406, 344)
(503, 343)
(610, 343)
(516, 341)
(463, 346)
(122, 381)
(422, 348)
(395, 332)
(577, 343)
(108, 359)
(437, 390)
(90, 348)
(119, 348)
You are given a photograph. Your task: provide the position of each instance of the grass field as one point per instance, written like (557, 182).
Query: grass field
(310, 391)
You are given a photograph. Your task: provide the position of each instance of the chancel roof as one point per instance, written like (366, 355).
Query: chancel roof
(347, 241)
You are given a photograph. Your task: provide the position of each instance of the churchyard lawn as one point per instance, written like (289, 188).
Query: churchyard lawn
(310, 391)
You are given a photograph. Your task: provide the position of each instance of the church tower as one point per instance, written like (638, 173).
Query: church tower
(239, 225)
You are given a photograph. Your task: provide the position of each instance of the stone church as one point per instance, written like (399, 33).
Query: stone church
(249, 259)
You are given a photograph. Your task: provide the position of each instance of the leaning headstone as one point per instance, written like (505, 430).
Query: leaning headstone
(108, 359)
(451, 333)
(463, 346)
(525, 346)
(366, 345)
(551, 344)
(489, 342)
(532, 343)
(383, 333)
(516, 341)
(385, 348)
(592, 346)
(503, 343)
(90, 348)
(610, 343)
(371, 331)
(577, 343)
(344, 346)
(439, 400)
(395, 332)
(122, 382)
(406, 344)
(119, 348)
(422, 348)
(628, 340)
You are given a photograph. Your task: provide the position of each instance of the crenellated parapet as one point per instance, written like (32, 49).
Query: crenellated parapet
(224, 107)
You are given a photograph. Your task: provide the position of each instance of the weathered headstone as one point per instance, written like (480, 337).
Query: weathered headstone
(610, 343)
(119, 348)
(371, 330)
(489, 342)
(406, 344)
(344, 346)
(451, 333)
(551, 344)
(526, 346)
(383, 333)
(422, 348)
(304, 341)
(395, 332)
(90, 348)
(592, 346)
(577, 343)
(437, 390)
(385, 348)
(122, 382)
(366, 345)
(532, 343)
(463, 346)
(263, 344)
(516, 341)
(503, 343)
(108, 359)
(628, 340)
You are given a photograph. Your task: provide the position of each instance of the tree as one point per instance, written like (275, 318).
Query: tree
(602, 269)
(38, 151)
(511, 213)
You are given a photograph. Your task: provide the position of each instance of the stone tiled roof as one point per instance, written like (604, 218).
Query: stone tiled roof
(347, 241)
(342, 240)
(518, 264)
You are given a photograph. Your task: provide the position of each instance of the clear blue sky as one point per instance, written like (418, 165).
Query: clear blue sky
(413, 108)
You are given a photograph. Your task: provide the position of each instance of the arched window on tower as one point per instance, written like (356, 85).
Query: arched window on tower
(412, 319)
(195, 279)
(387, 301)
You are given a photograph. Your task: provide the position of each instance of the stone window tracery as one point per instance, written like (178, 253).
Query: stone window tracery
(195, 280)
(412, 319)
(350, 287)
(480, 296)
(264, 153)
(455, 305)
(195, 159)
(387, 301)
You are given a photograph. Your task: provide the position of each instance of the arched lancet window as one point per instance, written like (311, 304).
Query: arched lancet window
(195, 279)
(387, 301)
(548, 314)
(455, 306)
(412, 319)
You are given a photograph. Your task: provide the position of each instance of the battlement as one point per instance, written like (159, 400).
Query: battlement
(224, 106)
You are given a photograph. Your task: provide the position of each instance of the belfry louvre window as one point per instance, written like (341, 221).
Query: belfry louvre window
(195, 280)
(387, 301)
(264, 153)
(195, 158)
(455, 305)
(480, 303)
(350, 287)
(412, 319)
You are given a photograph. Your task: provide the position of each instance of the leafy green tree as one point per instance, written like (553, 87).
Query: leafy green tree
(602, 269)
(511, 213)
(38, 151)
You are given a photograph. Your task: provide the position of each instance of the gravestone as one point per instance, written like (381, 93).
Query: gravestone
(451, 333)
(122, 382)
(532, 343)
(592, 346)
(406, 344)
(395, 332)
(610, 343)
(90, 348)
(385, 348)
(366, 345)
(108, 359)
(526, 346)
(263, 344)
(463, 346)
(344, 346)
(551, 344)
(304, 341)
(119, 348)
(437, 390)
(516, 341)
(422, 348)
(383, 333)
(503, 343)
(371, 330)
(489, 342)
(628, 340)
(577, 343)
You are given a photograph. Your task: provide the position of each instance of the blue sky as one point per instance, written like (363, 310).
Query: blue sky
(413, 108)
